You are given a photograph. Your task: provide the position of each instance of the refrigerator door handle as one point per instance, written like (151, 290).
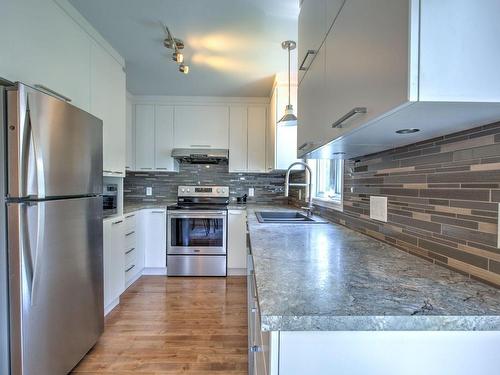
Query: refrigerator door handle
(37, 257)
(37, 153)
(31, 256)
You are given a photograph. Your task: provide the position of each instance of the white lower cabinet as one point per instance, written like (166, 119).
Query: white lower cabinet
(236, 241)
(134, 252)
(114, 261)
(155, 239)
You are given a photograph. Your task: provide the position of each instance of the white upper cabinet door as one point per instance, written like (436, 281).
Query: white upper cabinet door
(366, 64)
(130, 137)
(332, 11)
(312, 32)
(201, 126)
(310, 109)
(238, 127)
(164, 138)
(41, 44)
(271, 132)
(257, 119)
(156, 238)
(108, 97)
(459, 51)
(144, 137)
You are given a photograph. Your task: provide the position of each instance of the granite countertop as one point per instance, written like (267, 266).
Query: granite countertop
(325, 277)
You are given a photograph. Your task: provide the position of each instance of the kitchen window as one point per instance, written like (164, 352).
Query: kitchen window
(328, 176)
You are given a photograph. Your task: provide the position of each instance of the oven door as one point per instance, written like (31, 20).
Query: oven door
(197, 232)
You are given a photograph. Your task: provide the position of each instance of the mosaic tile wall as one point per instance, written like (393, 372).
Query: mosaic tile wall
(443, 197)
(268, 186)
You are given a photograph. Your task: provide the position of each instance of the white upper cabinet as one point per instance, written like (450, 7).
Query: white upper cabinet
(42, 45)
(164, 138)
(312, 31)
(144, 137)
(238, 128)
(389, 64)
(199, 126)
(257, 119)
(130, 136)
(107, 101)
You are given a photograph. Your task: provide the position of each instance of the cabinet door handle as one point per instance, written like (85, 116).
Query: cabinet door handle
(201, 146)
(129, 233)
(117, 222)
(255, 349)
(308, 53)
(338, 124)
(129, 216)
(146, 169)
(128, 269)
(106, 171)
(157, 212)
(129, 251)
(116, 172)
(303, 146)
(163, 169)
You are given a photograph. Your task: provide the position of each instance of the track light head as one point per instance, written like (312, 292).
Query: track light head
(178, 57)
(184, 68)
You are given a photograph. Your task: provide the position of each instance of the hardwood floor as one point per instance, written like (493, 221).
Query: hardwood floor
(174, 326)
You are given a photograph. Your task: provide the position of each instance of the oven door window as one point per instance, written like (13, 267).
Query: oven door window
(197, 232)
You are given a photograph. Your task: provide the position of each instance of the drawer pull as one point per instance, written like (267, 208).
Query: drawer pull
(130, 268)
(128, 252)
(310, 52)
(129, 216)
(338, 124)
(147, 169)
(255, 349)
(157, 212)
(117, 222)
(129, 233)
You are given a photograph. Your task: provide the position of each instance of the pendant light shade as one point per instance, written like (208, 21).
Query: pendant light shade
(289, 118)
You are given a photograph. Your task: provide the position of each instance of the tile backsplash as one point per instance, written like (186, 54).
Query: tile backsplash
(268, 187)
(443, 197)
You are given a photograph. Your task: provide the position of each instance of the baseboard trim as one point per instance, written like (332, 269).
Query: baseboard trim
(154, 271)
(236, 271)
(111, 306)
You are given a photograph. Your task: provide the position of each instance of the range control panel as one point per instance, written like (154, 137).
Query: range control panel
(203, 191)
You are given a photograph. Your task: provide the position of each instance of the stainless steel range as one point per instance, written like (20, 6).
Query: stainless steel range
(197, 232)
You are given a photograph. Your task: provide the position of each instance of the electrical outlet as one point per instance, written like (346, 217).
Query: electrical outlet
(149, 191)
(251, 192)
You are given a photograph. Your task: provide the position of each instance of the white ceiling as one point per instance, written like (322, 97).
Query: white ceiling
(233, 47)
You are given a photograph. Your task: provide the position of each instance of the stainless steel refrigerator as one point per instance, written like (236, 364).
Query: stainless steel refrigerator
(53, 215)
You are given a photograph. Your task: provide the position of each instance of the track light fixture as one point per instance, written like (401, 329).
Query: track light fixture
(175, 44)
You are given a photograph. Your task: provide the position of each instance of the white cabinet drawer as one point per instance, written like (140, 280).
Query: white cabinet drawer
(130, 222)
(130, 272)
(130, 257)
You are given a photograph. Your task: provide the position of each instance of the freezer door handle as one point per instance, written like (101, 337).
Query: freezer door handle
(37, 153)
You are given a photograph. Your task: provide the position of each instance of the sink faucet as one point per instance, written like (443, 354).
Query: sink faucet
(308, 209)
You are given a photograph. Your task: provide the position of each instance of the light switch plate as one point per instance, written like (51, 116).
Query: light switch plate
(149, 191)
(378, 208)
(251, 192)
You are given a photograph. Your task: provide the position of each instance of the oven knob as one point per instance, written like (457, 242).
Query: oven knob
(218, 190)
(188, 190)
(182, 190)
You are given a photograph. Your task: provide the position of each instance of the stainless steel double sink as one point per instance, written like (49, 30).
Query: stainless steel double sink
(287, 217)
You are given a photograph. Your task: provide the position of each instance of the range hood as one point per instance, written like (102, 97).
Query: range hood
(200, 155)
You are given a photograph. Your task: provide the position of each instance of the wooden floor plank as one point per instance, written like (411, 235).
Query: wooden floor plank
(175, 325)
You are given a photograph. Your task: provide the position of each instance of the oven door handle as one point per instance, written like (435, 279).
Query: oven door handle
(192, 214)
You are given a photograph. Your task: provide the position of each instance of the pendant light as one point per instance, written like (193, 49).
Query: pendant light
(289, 119)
